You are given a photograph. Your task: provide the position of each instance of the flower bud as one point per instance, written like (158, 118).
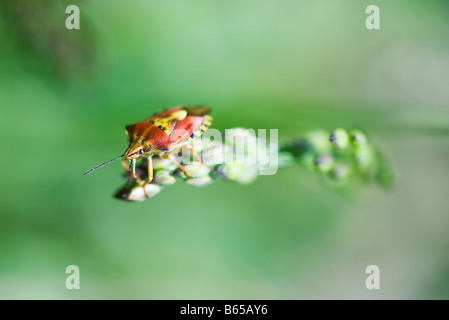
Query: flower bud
(358, 138)
(195, 169)
(163, 177)
(231, 171)
(319, 140)
(165, 164)
(134, 191)
(324, 163)
(340, 171)
(215, 153)
(364, 157)
(200, 181)
(340, 139)
(248, 175)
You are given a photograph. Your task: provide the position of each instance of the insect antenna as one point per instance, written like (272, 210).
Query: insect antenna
(101, 165)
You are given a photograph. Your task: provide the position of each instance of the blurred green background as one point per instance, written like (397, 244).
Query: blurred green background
(66, 95)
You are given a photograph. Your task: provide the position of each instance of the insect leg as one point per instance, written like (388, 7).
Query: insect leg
(133, 163)
(129, 170)
(150, 169)
(177, 163)
(150, 175)
(189, 146)
(125, 165)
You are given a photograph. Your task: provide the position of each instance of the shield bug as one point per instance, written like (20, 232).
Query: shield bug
(163, 134)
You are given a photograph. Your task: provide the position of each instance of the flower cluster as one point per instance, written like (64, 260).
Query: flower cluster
(230, 159)
(342, 156)
(337, 155)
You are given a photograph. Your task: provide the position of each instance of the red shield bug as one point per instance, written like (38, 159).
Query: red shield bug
(163, 134)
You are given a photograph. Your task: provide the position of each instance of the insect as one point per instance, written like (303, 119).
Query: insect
(163, 134)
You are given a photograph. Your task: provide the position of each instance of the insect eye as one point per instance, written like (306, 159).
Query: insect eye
(141, 151)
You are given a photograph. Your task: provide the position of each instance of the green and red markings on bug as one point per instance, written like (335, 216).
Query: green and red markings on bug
(163, 134)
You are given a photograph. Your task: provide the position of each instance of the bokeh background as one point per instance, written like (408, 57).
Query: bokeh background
(66, 95)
